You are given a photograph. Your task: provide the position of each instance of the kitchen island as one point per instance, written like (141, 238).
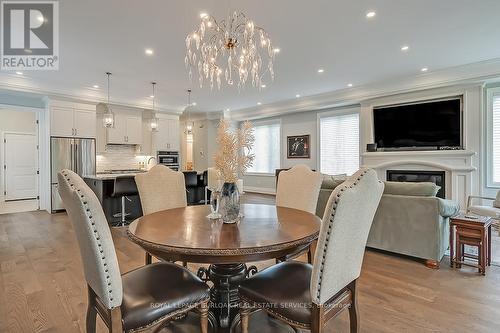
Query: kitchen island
(103, 185)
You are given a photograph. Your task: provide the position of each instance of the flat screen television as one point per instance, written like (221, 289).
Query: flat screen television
(424, 125)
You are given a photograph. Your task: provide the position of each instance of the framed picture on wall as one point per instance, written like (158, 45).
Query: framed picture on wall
(298, 146)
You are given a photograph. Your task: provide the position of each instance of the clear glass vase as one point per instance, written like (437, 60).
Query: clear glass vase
(229, 206)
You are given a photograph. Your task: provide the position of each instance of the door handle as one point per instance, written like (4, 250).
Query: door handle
(75, 147)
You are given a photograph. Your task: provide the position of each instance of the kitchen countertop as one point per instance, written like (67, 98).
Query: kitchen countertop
(110, 176)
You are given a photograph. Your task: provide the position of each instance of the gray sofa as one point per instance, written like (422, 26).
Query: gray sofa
(410, 220)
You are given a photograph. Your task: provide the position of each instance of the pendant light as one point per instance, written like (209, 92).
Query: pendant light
(109, 117)
(154, 119)
(189, 123)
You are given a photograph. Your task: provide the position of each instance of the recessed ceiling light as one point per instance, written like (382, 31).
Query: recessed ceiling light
(371, 14)
(151, 96)
(263, 86)
(425, 69)
(349, 85)
(149, 51)
(19, 73)
(405, 48)
(228, 109)
(276, 50)
(193, 104)
(203, 15)
(95, 86)
(297, 95)
(321, 70)
(259, 103)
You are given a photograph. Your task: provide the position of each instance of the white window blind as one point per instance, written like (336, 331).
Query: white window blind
(266, 148)
(339, 144)
(496, 139)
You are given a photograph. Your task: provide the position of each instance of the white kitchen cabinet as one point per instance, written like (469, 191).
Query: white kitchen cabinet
(61, 121)
(167, 136)
(127, 128)
(174, 135)
(134, 130)
(69, 119)
(117, 134)
(84, 123)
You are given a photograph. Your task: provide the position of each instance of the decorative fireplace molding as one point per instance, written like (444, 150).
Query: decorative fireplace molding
(458, 165)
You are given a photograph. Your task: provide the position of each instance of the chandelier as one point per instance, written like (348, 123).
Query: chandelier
(232, 49)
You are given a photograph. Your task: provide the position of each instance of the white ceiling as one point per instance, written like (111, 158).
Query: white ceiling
(98, 36)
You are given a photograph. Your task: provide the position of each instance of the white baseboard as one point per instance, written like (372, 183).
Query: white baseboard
(260, 190)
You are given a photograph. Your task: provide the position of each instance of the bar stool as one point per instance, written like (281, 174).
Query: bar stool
(124, 187)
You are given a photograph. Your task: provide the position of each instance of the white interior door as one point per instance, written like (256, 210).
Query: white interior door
(21, 166)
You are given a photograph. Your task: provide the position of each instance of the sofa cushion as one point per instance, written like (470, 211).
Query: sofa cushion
(422, 189)
(496, 203)
(331, 182)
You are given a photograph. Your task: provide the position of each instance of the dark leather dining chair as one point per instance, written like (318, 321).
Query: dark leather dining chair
(124, 187)
(144, 299)
(314, 294)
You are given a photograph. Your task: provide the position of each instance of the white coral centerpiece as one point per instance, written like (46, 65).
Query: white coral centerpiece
(234, 155)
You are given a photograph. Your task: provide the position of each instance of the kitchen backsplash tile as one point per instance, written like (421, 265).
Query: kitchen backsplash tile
(119, 157)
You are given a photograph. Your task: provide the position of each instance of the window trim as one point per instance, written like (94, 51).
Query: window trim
(490, 93)
(263, 123)
(347, 110)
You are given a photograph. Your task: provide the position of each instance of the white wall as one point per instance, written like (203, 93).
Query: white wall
(13, 121)
(204, 144)
(303, 123)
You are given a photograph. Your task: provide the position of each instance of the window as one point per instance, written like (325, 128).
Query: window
(493, 123)
(266, 148)
(339, 143)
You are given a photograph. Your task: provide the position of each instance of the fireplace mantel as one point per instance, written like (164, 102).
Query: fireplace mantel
(458, 165)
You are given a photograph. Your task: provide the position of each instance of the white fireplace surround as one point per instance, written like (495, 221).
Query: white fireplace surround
(457, 165)
(462, 167)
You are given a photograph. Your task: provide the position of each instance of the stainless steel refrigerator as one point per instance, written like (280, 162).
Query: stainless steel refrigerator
(73, 154)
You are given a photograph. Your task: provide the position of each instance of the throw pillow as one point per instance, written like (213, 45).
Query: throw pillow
(423, 189)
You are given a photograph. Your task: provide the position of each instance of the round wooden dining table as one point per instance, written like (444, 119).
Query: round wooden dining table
(186, 234)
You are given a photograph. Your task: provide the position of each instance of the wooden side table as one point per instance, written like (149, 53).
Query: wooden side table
(466, 230)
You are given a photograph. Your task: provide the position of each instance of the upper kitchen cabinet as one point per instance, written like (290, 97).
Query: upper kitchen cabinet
(71, 119)
(127, 129)
(167, 136)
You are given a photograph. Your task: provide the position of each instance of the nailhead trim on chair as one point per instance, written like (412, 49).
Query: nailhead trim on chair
(96, 234)
(330, 225)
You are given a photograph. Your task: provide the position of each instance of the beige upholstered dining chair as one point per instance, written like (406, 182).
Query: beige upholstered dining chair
(160, 188)
(307, 296)
(299, 188)
(126, 303)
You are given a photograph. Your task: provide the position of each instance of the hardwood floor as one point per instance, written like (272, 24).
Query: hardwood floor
(42, 288)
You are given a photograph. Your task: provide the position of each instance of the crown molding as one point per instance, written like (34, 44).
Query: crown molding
(474, 73)
(479, 72)
(64, 95)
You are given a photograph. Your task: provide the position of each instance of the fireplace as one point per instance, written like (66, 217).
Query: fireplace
(436, 177)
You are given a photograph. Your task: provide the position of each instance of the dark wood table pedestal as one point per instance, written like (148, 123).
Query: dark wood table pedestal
(224, 294)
